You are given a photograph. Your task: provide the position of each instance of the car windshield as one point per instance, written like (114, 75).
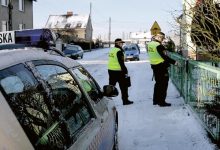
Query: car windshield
(75, 48)
(126, 48)
(133, 48)
(67, 51)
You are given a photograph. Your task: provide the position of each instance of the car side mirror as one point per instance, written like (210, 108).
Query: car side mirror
(110, 91)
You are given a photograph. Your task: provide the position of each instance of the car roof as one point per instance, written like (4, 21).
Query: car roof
(72, 45)
(16, 56)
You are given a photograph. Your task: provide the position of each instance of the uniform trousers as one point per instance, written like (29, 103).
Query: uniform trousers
(161, 77)
(119, 76)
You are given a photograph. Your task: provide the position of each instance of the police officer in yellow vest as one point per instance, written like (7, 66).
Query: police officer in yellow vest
(117, 70)
(159, 63)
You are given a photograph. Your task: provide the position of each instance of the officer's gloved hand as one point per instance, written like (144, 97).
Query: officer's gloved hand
(177, 63)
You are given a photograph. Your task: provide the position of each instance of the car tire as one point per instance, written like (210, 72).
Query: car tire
(82, 57)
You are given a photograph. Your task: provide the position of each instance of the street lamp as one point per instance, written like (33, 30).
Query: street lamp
(10, 7)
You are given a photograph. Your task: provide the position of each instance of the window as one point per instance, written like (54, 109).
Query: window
(73, 109)
(4, 25)
(78, 24)
(21, 26)
(32, 107)
(21, 5)
(4, 2)
(67, 25)
(88, 84)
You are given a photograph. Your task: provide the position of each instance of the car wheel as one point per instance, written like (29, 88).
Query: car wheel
(82, 57)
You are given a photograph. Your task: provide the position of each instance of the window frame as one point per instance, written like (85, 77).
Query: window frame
(4, 25)
(5, 3)
(96, 84)
(21, 5)
(21, 26)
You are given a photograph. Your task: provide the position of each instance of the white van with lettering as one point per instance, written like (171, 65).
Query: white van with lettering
(50, 102)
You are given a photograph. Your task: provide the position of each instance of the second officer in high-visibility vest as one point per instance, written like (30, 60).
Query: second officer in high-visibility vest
(159, 63)
(117, 70)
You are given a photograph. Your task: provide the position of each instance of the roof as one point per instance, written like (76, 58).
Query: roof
(13, 57)
(140, 35)
(67, 21)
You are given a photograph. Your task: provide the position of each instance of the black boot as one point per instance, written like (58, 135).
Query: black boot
(127, 102)
(155, 103)
(164, 104)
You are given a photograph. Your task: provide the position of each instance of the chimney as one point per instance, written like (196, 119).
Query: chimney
(69, 13)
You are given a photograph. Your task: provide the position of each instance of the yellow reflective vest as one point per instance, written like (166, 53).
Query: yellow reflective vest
(153, 54)
(113, 63)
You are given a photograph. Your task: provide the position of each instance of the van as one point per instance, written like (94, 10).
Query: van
(52, 102)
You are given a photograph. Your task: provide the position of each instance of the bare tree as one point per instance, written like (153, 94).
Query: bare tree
(203, 26)
(66, 34)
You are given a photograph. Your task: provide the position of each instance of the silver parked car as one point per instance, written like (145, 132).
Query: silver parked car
(132, 52)
(49, 101)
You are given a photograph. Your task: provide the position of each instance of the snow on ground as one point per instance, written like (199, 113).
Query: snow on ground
(143, 126)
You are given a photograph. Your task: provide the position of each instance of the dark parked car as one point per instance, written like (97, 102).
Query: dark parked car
(73, 51)
(132, 52)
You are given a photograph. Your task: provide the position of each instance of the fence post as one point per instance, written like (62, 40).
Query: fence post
(186, 93)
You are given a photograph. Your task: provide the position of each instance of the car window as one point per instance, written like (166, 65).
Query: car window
(88, 84)
(68, 99)
(31, 106)
(126, 48)
(133, 48)
(72, 48)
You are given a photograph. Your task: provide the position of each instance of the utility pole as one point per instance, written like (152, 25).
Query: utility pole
(109, 33)
(10, 7)
(123, 35)
(90, 16)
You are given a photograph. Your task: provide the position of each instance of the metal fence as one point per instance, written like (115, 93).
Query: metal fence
(199, 84)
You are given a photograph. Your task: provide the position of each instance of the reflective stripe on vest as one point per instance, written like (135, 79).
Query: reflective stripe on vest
(154, 56)
(113, 63)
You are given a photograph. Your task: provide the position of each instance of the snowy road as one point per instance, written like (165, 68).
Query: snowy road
(143, 126)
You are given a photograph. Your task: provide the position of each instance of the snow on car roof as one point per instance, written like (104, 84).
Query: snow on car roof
(11, 57)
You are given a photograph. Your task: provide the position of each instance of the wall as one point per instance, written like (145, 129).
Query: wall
(18, 17)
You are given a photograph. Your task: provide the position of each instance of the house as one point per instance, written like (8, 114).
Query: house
(199, 29)
(188, 49)
(79, 25)
(16, 14)
(140, 37)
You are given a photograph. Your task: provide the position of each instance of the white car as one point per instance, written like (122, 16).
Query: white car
(51, 102)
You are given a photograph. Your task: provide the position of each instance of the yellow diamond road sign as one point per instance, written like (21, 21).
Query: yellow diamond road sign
(155, 28)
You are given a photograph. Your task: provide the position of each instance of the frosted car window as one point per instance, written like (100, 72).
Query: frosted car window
(12, 84)
(32, 107)
(71, 105)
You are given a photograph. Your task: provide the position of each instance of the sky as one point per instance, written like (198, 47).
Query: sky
(143, 126)
(126, 15)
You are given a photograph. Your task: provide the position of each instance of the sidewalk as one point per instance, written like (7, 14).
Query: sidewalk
(143, 126)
